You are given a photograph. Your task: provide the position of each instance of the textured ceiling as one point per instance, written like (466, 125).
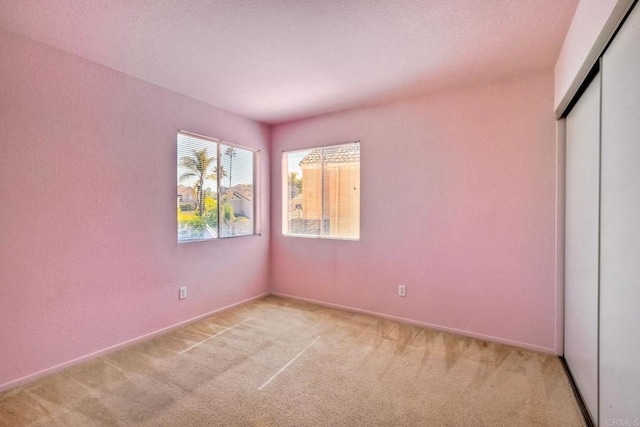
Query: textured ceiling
(279, 60)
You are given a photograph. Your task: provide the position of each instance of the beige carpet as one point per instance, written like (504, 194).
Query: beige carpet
(277, 362)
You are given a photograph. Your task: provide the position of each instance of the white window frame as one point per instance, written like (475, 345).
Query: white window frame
(218, 143)
(286, 195)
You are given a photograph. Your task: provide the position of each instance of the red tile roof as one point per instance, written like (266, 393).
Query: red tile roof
(347, 153)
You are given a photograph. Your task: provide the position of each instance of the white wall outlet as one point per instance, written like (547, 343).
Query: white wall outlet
(183, 292)
(402, 290)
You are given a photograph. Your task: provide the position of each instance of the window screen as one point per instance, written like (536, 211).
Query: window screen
(322, 192)
(215, 194)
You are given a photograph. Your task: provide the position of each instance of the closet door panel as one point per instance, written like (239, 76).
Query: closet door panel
(620, 228)
(581, 243)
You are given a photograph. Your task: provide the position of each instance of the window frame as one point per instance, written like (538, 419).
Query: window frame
(287, 196)
(255, 170)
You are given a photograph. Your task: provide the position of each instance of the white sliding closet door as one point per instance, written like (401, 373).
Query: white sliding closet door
(620, 229)
(581, 243)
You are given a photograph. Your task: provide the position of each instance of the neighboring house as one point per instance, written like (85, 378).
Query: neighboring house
(240, 197)
(341, 210)
(187, 200)
(186, 194)
(295, 206)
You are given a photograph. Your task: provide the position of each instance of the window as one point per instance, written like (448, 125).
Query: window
(216, 182)
(322, 192)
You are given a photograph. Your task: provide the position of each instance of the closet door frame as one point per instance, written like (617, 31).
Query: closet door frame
(582, 242)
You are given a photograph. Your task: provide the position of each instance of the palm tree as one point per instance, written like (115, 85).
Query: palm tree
(295, 184)
(198, 166)
(222, 172)
(231, 152)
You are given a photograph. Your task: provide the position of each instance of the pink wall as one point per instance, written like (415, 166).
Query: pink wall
(88, 253)
(458, 203)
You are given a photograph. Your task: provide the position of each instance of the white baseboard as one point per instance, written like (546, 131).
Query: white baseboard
(57, 368)
(512, 343)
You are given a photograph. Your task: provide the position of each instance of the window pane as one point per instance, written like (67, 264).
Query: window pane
(305, 195)
(236, 191)
(323, 192)
(341, 193)
(197, 189)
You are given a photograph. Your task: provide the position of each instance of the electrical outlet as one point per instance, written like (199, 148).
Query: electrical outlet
(183, 292)
(402, 290)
